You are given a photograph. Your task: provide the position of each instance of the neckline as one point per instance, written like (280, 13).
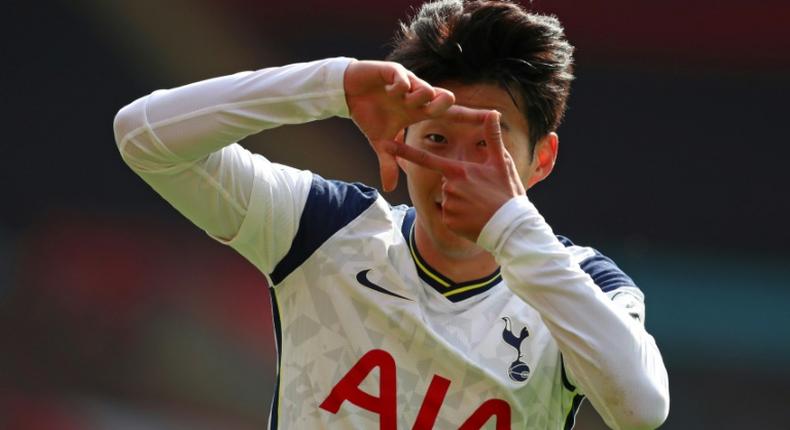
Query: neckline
(452, 291)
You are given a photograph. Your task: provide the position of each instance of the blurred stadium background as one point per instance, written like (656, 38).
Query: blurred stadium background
(115, 313)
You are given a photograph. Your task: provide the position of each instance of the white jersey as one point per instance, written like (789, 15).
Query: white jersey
(368, 334)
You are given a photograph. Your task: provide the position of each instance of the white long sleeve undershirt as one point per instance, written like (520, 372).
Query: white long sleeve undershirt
(182, 143)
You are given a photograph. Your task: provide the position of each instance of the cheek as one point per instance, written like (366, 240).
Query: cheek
(420, 180)
(523, 162)
(525, 167)
(519, 153)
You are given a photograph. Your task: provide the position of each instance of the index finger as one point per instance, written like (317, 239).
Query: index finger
(396, 77)
(420, 157)
(465, 114)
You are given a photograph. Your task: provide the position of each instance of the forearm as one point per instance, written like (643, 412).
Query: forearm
(180, 141)
(187, 123)
(614, 361)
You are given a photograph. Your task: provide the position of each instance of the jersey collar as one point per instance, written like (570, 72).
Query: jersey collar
(452, 291)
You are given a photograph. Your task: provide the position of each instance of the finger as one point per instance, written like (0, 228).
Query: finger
(398, 79)
(439, 104)
(457, 113)
(419, 97)
(417, 84)
(420, 92)
(388, 170)
(492, 133)
(445, 166)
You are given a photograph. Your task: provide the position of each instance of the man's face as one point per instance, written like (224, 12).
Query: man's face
(465, 142)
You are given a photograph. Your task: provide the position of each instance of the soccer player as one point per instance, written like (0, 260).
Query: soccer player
(465, 311)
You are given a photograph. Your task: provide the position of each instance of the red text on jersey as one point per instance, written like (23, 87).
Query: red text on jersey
(385, 405)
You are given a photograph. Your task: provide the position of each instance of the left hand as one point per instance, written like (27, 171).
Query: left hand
(471, 192)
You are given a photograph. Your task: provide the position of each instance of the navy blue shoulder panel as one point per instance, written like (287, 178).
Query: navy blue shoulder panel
(603, 271)
(330, 206)
(408, 220)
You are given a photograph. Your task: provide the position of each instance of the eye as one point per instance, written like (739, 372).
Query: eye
(482, 143)
(436, 138)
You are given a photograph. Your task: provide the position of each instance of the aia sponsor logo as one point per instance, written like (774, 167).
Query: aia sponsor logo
(386, 406)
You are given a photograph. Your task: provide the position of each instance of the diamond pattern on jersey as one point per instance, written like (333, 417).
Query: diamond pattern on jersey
(329, 321)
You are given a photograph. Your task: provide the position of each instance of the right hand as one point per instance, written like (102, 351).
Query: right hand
(472, 191)
(383, 99)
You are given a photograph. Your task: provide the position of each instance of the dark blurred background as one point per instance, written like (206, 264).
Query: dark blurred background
(116, 313)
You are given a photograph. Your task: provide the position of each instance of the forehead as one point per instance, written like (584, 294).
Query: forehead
(489, 96)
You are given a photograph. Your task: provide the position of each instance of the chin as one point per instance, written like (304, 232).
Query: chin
(444, 240)
(450, 243)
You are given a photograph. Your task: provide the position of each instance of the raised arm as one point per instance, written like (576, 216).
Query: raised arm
(609, 355)
(181, 142)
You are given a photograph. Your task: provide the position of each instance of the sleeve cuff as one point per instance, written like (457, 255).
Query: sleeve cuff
(507, 218)
(336, 72)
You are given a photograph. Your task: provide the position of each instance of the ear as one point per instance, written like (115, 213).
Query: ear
(543, 158)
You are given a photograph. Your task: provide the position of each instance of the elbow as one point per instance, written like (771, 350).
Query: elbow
(136, 148)
(123, 125)
(647, 412)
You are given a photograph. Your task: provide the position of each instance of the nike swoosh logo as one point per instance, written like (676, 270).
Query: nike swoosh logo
(362, 278)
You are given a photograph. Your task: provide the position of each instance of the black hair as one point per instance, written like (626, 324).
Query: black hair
(497, 42)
